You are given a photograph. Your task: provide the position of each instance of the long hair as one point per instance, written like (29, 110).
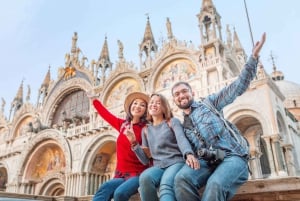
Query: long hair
(143, 119)
(165, 107)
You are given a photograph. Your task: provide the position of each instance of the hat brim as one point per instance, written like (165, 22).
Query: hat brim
(131, 97)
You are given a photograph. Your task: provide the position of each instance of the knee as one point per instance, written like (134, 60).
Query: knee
(145, 179)
(180, 177)
(214, 185)
(118, 195)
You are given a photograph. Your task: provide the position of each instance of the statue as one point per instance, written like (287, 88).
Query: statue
(169, 28)
(28, 93)
(74, 41)
(121, 48)
(3, 105)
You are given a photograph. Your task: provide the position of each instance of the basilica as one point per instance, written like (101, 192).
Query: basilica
(59, 148)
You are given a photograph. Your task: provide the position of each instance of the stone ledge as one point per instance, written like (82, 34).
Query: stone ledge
(281, 189)
(273, 189)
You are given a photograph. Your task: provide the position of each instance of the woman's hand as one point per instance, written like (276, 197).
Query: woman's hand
(91, 95)
(130, 134)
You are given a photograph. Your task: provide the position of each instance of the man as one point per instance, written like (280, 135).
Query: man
(223, 160)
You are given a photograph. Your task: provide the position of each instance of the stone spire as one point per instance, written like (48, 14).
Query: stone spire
(104, 55)
(47, 79)
(103, 62)
(236, 42)
(238, 48)
(18, 100)
(148, 45)
(43, 91)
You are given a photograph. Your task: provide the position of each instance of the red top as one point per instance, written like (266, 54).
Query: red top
(128, 165)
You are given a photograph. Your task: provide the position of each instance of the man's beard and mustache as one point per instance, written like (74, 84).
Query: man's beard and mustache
(187, 105)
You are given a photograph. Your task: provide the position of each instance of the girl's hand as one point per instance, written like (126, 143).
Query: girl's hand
(91, 95)
(130, 134)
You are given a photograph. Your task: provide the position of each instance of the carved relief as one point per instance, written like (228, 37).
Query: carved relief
(176, 71)
(121, 90)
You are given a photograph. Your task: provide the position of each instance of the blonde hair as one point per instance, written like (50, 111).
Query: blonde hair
(165, 106)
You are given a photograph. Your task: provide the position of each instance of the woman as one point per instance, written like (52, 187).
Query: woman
(168, 148)
(128, 168)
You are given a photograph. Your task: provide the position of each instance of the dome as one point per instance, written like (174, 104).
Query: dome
(291, 91)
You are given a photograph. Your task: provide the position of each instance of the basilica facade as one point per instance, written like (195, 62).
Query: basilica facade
(59, 146)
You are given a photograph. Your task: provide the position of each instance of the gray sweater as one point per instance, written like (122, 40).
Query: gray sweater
(167, 146)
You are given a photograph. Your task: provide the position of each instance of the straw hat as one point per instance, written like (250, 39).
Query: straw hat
(131, 97)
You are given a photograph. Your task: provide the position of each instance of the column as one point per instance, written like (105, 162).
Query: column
(289, 159)
(270, 155)
(278, 155)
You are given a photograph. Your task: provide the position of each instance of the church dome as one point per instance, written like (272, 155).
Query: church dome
(291, 91)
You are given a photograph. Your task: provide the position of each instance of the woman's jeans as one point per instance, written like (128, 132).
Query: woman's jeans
(117, 188)
(155, 177)
(221, 183)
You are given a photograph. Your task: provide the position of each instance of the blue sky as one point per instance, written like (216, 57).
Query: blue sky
(35, 34)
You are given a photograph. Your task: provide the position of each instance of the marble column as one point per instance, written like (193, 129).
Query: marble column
(289, 159)
(270, 155)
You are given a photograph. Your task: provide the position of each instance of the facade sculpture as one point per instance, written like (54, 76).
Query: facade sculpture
(77, 148)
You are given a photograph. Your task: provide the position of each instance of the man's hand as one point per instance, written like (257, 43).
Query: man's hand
(192, 161)
(257, 47)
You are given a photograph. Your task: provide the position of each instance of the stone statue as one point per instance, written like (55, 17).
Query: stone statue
(28, 93)
(121, 48)
(169, 28)
(74, 42)
(3, 105)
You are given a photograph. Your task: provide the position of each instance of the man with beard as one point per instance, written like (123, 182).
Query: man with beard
(223, 159)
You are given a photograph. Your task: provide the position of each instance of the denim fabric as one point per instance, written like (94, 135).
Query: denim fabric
(155, 177)
(117, 188)
(221, 183)
(209, 125)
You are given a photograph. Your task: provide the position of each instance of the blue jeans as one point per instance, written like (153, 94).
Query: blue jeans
(117, 188)
(155, 177)
(221, 183)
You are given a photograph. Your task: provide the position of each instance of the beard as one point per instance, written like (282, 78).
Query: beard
(187, 105)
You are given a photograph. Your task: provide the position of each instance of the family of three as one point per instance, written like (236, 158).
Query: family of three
(162, 158)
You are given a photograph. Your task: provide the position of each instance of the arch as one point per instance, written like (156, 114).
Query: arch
(119, 89)
(253, 125)
(175, 67)
(52, 186)
(45, 137)
(282, 128)
(3, 176)
(235, 113)
(58, 94)
(92, 149)
(21, 125)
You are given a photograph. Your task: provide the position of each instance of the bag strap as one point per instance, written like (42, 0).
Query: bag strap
(232, 132)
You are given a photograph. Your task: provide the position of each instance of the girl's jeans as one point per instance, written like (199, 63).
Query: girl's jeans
(117, 188)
